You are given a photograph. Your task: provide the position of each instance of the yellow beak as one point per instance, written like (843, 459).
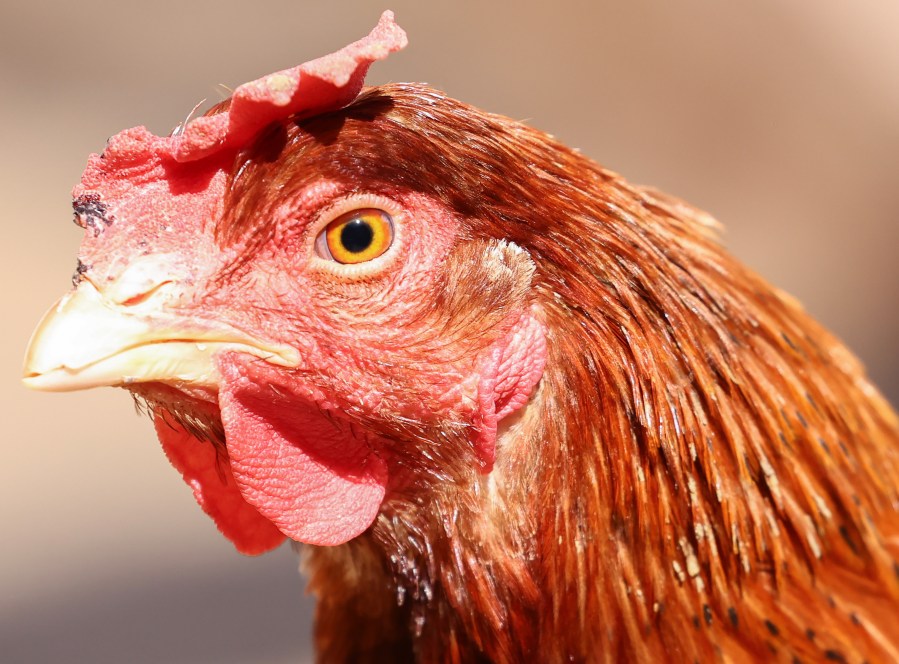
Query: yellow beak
(88, 340)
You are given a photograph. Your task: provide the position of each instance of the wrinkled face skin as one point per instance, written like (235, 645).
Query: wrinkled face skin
(329, 386)
(353, 326)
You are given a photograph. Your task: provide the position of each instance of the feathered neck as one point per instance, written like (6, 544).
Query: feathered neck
(708, 470)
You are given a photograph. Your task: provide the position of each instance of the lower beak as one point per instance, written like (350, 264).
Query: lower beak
(87, 340)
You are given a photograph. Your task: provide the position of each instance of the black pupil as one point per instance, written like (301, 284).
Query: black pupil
(357, 236)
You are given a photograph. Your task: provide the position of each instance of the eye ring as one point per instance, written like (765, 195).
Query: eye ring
(356, 236)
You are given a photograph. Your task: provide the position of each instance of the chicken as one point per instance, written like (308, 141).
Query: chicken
(514, 407)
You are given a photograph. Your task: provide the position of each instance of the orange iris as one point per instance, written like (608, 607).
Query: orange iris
(359, 235)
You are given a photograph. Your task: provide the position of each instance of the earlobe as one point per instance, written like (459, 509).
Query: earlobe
(510, 371)
(487, 292)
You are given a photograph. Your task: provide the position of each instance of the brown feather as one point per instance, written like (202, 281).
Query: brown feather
(705, 474)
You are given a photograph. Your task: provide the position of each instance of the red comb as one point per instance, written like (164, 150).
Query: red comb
(326, 83)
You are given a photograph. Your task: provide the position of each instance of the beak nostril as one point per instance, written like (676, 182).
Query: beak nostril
(142, 279)
(140, 298)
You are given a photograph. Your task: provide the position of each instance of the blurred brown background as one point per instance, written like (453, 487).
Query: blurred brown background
(780, 118)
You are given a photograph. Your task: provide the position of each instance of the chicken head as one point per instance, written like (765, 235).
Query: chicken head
(306, 345)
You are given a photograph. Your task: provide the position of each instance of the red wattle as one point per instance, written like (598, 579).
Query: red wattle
(216, 491)
(310, 475)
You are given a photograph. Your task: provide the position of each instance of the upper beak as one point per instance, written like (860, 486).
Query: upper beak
(88, 340)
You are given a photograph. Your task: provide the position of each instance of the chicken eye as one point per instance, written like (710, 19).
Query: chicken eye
(357, 236)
